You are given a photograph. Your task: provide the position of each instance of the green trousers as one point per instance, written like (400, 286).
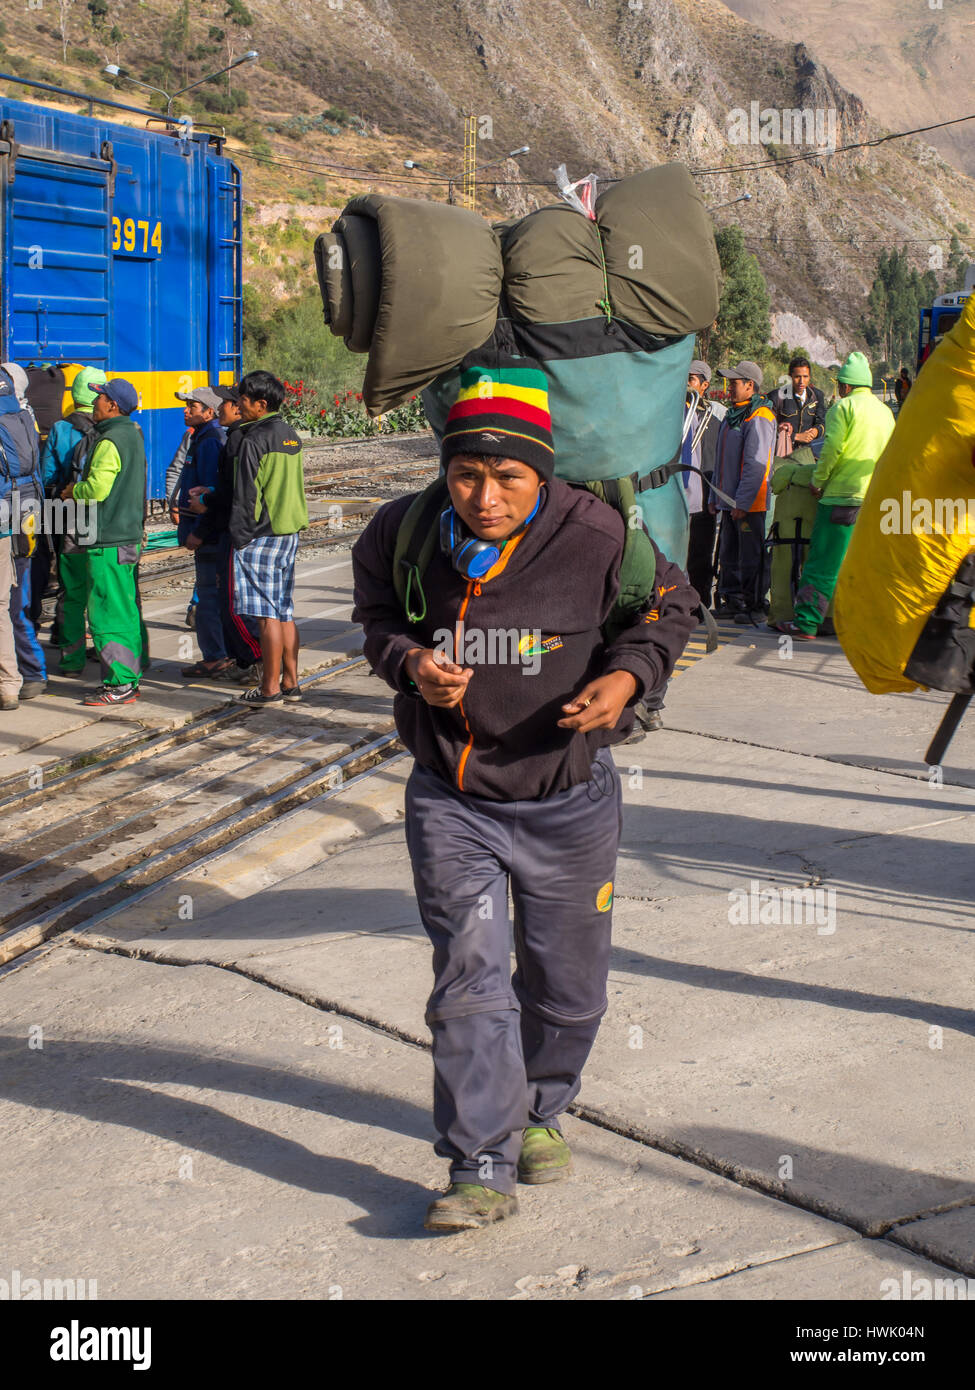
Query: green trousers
(827, 547)
(102, 578)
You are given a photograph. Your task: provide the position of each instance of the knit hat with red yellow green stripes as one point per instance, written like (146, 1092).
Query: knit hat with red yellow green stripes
(502, 410)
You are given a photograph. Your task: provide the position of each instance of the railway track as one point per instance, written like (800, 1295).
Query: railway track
(349, 494)
(102, 834)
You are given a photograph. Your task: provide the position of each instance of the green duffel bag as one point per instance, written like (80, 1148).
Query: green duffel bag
(414, 284)
(790, 527)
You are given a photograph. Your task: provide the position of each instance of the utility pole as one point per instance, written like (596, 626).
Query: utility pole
(470, 161)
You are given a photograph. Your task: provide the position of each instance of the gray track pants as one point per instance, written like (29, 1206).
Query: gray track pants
(509, 1052)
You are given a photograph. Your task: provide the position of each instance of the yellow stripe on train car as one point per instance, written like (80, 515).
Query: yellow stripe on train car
(157, 390)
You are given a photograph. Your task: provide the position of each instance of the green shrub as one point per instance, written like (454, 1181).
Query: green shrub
(224, 102)
(293, 342)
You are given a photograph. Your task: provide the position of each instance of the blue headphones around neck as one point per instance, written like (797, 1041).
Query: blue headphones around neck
(469, 555)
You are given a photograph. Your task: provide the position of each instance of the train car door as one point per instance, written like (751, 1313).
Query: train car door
(57, 289)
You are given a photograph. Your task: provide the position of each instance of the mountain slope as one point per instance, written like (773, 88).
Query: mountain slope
(604, 85)
(909, 61)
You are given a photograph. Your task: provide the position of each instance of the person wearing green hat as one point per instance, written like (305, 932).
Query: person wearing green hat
(858, 427)
(62, 462)
(115, 481)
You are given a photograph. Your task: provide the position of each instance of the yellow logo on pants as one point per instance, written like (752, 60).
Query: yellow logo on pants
(604, 898)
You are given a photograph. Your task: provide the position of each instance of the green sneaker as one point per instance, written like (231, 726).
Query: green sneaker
(544, 1157)
(465, 1207)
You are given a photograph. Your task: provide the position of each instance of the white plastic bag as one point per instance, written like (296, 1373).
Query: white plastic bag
(583, 200)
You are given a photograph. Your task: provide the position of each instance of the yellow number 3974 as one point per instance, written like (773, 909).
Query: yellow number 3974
(134, 236)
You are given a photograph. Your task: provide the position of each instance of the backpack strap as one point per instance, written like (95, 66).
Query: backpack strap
(80, 452)
(710, 628)
(82, 421)
(416, 540)
(658, 477)
(638, 564)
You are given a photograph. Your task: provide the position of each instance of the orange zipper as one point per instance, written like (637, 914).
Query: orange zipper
(475, 589)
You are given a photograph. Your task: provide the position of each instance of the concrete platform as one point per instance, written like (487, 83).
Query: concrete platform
(816, 1066)
(292, 1159)
(55, 728)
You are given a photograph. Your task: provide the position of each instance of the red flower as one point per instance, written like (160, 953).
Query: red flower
(323, 412)
(358, 395)
(337, 401)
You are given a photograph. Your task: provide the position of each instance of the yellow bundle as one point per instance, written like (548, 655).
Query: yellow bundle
(917, 523)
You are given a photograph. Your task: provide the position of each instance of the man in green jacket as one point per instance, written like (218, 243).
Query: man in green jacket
(267, 512)
(114, 482)
(62, 462)
(858, 427)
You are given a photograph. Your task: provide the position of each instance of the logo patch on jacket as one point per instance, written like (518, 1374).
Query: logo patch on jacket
(604, 898)
(529, 647)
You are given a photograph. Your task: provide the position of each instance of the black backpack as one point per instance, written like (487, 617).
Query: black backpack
(82, 422)
(45, 394)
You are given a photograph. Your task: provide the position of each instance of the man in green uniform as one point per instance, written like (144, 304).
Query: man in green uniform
(858, 427)
(114, 480)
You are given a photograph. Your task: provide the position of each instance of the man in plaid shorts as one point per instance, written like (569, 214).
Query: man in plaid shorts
(267, 512)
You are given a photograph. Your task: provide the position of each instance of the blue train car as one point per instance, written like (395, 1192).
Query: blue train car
(120, 247)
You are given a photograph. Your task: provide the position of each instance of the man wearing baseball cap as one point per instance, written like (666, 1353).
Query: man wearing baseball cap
(742, 469)
(201, 471)
(212, 507)
(114, 480)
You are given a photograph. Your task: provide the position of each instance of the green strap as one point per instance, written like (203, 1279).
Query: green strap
(418, 535)
(603, 303)
(413, 577)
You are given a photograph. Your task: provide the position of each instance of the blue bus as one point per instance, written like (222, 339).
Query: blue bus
(120, 248)
(943, 314)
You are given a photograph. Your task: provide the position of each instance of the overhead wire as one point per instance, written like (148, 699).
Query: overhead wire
(358, 173)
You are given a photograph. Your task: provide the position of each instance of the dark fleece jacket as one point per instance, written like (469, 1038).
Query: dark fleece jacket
(504, 743)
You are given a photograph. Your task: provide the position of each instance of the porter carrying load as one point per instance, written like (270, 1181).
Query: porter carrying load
(606, 295)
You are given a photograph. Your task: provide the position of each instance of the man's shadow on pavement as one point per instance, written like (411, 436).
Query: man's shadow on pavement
(632, 962)
(91, 1078)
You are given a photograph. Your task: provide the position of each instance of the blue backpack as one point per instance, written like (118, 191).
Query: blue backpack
(19, 445)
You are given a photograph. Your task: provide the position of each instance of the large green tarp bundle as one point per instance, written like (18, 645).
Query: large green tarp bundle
(608, 306)
(416, 285)
(792, 521)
